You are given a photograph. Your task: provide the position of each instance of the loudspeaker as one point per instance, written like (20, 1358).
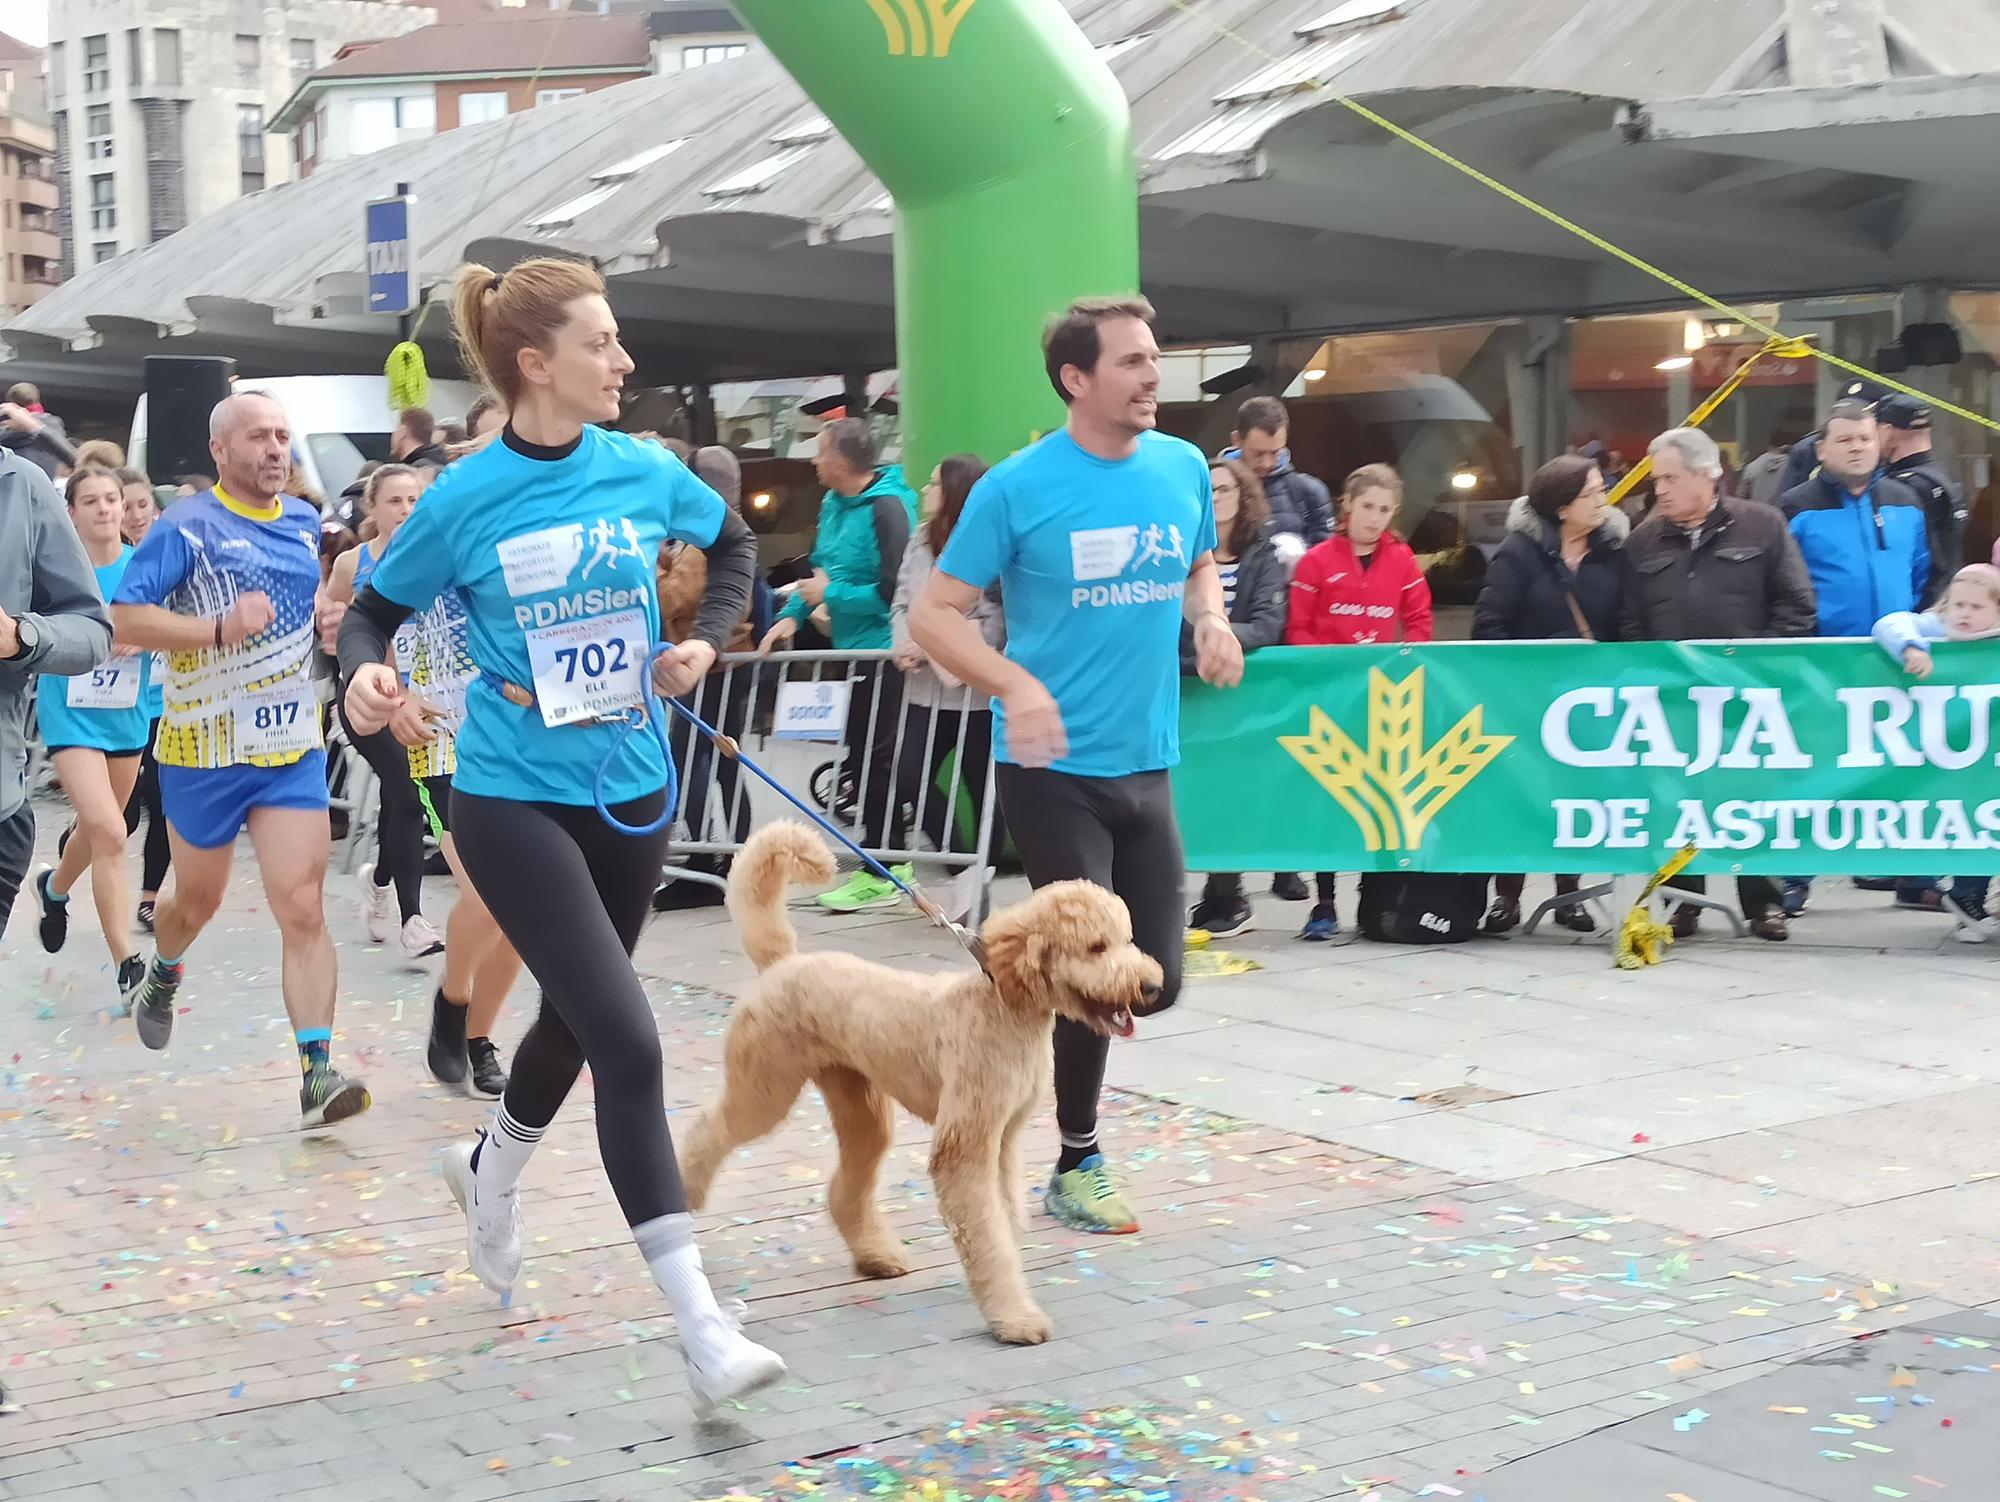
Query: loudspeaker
(1892, 359)
(181, 391)
(1932, 344)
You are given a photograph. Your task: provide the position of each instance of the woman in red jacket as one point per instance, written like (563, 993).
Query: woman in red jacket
(1362, 585)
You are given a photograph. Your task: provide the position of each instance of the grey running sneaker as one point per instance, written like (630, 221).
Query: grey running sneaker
(487, 1077)
(154, 1010)
(326, 1096)
(131, 976)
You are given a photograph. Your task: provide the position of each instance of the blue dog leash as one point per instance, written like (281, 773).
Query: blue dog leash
(653, 715)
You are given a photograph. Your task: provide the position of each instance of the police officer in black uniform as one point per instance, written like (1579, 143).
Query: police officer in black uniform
(1906, 451)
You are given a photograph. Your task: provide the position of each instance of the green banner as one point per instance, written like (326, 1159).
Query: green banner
(1796, 758)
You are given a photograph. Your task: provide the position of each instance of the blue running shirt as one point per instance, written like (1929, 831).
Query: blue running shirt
(252, 704)
(1092, 557)
(107, 708)
(553, 560)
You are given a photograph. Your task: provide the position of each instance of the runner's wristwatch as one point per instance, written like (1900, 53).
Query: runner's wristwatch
(28, 637)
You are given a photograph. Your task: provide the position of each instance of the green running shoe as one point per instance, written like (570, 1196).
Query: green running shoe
(865, 890)
(1086, 1199)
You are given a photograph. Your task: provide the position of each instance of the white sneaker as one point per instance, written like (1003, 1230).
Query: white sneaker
(420, 939)
(377, 906)
(492, 1223)
(724, 1364)
(1972, 933)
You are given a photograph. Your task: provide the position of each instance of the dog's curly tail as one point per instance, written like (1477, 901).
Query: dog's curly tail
(776, 856)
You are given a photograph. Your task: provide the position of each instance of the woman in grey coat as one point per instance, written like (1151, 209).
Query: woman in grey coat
(940, 717)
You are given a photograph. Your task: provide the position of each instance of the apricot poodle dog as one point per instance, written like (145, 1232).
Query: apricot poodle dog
(966, 1053)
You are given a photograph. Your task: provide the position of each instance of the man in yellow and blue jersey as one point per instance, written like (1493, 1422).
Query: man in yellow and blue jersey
(224, 584)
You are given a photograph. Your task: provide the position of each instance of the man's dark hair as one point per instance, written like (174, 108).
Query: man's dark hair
(1849, 409)
(420, 425)
(1262, 414)
(720, 472)
(486, 402)
(849, 437)
(1071, 336)
(1557, 483)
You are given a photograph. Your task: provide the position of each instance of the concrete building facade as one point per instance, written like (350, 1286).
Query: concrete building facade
(465, 71)
(160, 106)
(30, 247)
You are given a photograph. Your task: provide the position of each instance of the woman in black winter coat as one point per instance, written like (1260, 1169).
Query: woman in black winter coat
(1561, 574)
(1256, 562)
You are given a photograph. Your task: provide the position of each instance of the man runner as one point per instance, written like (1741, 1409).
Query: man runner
(1101, 537)
(224, 585)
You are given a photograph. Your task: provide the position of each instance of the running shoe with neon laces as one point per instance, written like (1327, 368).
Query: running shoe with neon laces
(1086, 1199)
(131, 976)
(724, 1364)
(377, 906)
(865, 890)
(55, 914)
(154, 1010)
(326, 1096)
(420, 940)
(492, 1221)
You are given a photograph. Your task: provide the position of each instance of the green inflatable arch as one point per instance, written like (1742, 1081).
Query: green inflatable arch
(1007, 146)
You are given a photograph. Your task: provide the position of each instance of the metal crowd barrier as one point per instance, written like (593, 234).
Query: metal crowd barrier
(834, 729)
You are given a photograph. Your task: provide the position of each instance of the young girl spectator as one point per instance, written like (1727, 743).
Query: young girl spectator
(1362, 585)
(1255, 569)
(1969, 611)
(1560, 574)
(936, 710)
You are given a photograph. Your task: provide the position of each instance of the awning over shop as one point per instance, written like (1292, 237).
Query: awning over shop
(745, 240)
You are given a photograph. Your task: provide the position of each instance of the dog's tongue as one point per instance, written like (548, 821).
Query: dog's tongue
(1122, 1024)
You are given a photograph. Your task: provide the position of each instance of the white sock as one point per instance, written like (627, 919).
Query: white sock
(503, 1151)
(667, 1244)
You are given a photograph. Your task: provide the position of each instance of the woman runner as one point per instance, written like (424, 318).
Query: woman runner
(387, 501)
(549, 534)
(142, 509)
(434, 657)
(95, 727)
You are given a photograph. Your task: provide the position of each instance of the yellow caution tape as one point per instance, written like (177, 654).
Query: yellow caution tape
(1641, 941)
(1589, 237)
(1783, 348)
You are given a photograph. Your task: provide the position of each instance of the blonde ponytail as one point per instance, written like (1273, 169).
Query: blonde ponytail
(497, 315)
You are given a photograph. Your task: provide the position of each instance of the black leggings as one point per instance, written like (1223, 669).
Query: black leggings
(1120, 833)
(571, 894)
(399, 822)
(17, 848)
(145, 800)
(917, 774)
(874, 721)
(726, 706)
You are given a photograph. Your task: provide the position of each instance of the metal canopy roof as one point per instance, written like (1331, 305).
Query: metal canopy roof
(744, 240)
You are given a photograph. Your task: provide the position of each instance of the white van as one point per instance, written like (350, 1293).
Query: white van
(339, 422)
